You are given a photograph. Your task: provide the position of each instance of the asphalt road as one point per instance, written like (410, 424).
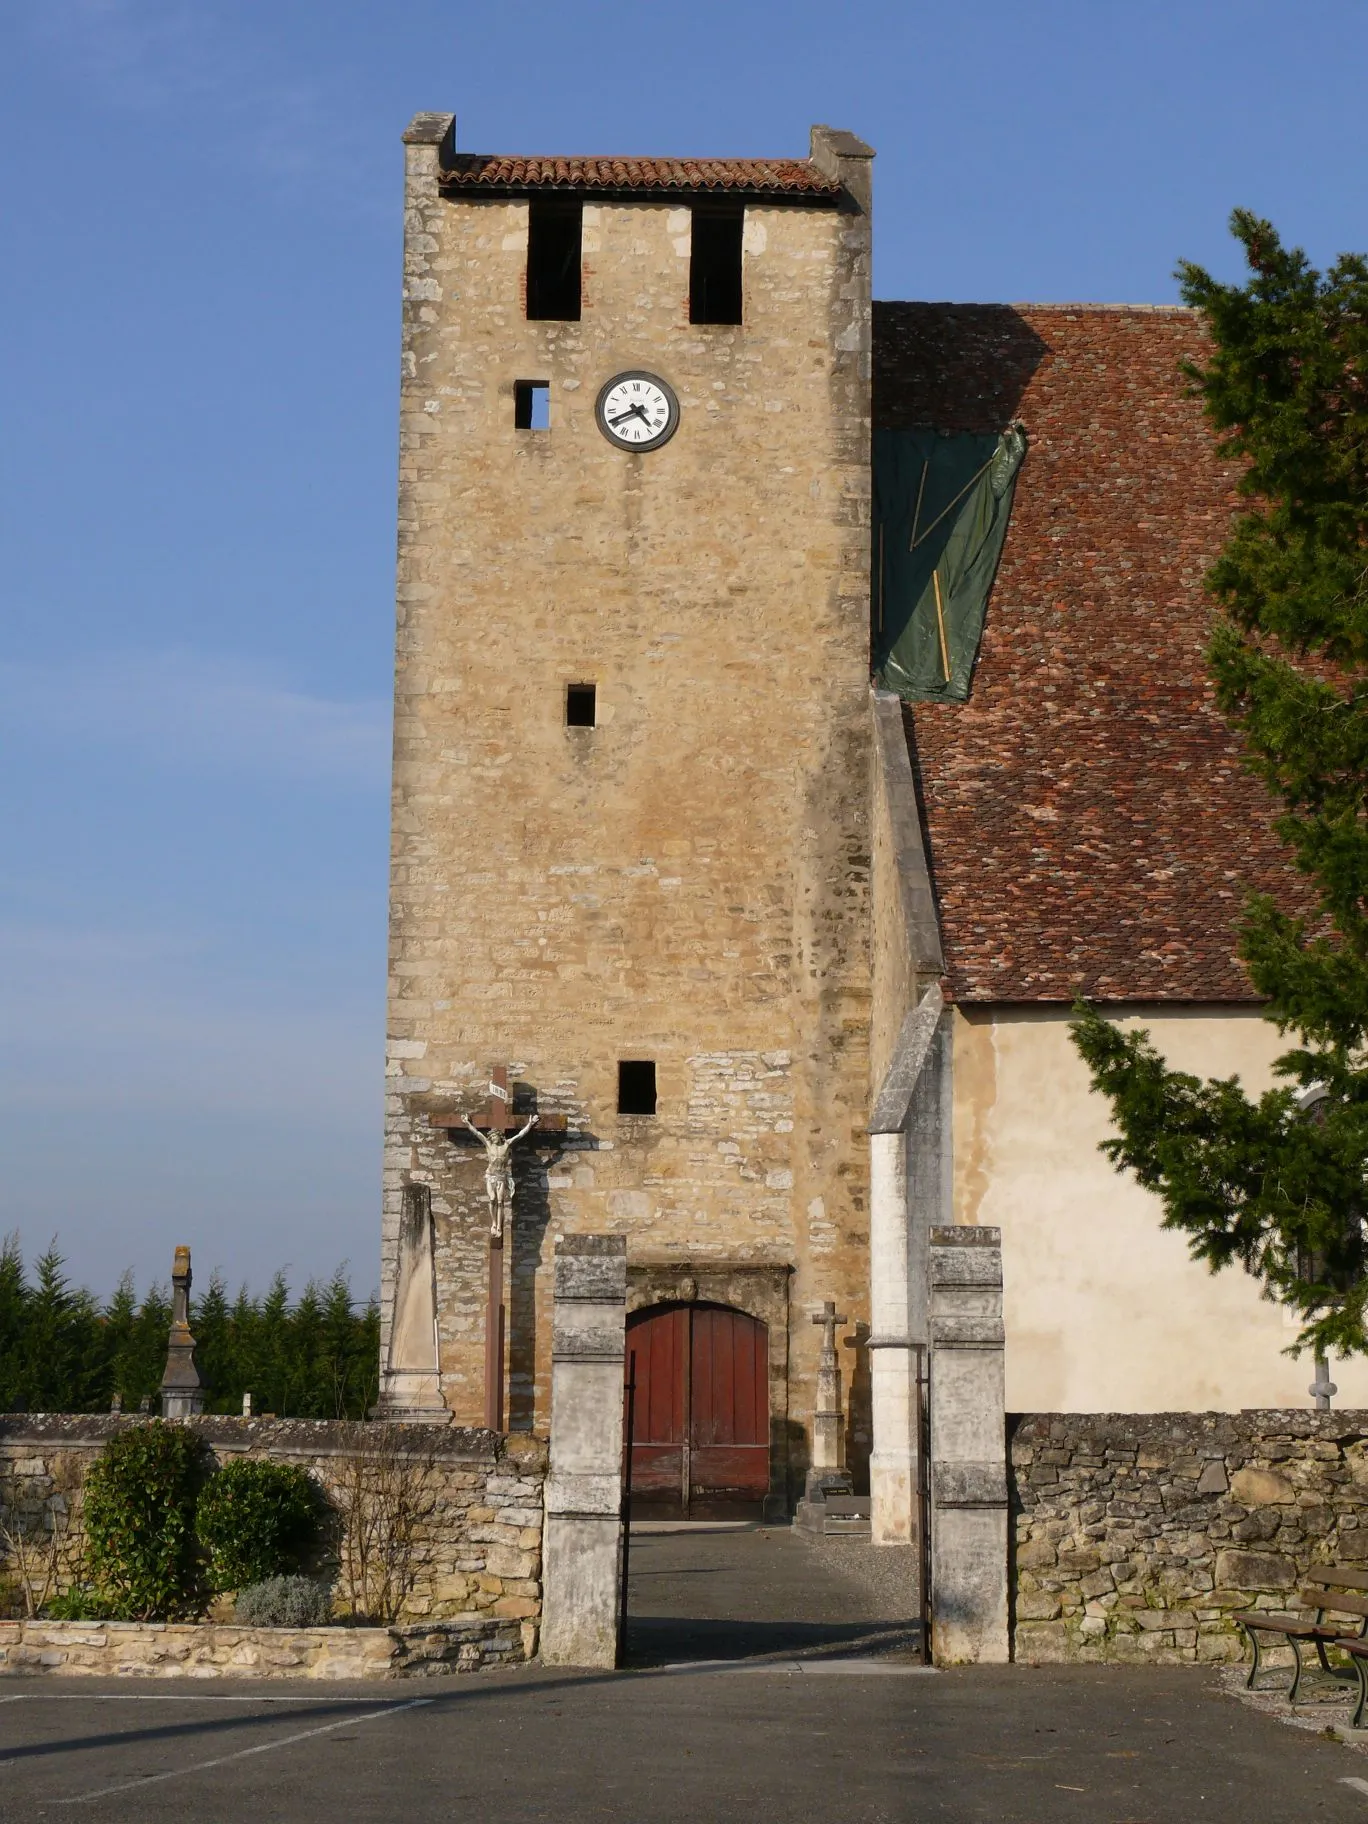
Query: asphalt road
(866, 1746)
(799, 1697)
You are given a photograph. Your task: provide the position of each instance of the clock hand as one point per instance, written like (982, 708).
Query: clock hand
(633, 411)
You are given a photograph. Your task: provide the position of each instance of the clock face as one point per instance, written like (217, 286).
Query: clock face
(637, 411)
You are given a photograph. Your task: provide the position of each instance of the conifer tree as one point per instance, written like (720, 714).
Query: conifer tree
(1277, 1182)
(13, 1305)
(61, 1352)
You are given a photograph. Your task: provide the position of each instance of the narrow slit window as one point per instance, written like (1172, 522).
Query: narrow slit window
(581, 702)
(715, 265)
(636, 1086)
(532, 405)
(553, 259)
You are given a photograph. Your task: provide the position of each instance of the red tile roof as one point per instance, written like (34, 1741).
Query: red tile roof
(1090, 824)
(785, 178)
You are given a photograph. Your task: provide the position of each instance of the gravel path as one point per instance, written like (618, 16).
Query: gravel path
(885, 1575)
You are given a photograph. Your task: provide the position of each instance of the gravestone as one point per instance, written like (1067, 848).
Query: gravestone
(412, 1389)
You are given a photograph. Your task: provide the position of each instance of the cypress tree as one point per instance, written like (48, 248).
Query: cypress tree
(62, 1342)
(1279, 1182)
(211, 1326)
(14, 1294)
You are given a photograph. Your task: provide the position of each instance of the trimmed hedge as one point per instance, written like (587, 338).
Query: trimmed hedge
(257, 1520)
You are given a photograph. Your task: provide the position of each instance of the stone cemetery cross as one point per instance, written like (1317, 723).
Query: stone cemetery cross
(497, 1117)
(828, 1442)
(182, 1391)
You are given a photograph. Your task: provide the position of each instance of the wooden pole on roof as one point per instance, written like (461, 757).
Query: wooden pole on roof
(940, 623)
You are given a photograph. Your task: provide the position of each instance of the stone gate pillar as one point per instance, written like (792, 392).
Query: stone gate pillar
(968, 1448)
(582, 1551)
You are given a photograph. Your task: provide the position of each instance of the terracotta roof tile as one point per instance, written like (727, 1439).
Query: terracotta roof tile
(1090, 824)
(773, 177)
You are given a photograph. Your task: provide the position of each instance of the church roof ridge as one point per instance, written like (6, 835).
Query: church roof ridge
(486, 172)
(1075, 308)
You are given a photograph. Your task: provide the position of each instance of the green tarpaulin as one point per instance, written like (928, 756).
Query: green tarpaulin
(941, 506)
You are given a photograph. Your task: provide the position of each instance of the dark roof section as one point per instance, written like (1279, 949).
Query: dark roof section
(789, 180)
(1089, 822)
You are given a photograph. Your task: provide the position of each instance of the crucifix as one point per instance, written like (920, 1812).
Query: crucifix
(496, 1128)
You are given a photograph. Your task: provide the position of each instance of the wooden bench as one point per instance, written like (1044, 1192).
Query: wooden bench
(1335, 1589)
(1356, 1646)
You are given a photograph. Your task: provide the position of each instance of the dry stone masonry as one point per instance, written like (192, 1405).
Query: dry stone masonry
(1137, 1537)
(478, 1551)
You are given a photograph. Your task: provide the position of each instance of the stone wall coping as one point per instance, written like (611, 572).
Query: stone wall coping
(227, 1650)
(1264, 1419)
(278, 1437)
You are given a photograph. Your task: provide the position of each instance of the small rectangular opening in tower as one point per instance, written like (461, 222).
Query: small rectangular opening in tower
(581, 701)
(715, 263)
(636, 1086)
(531, 405)
(554, 225)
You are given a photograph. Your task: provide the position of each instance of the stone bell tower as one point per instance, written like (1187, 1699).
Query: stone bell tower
(631, 767)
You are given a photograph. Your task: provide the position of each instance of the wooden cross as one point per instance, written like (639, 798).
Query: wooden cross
(497, 1117)
(497, 1114)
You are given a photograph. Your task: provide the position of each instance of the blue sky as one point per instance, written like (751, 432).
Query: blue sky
(198, 361)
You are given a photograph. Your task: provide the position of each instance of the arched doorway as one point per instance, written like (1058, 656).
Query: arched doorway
(700, 1432)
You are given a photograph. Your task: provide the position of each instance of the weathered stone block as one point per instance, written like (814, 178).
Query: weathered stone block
(1260, 1487)
(1037, 1606)
(520, 1608)
(1044, 1643)
(1254, 1570)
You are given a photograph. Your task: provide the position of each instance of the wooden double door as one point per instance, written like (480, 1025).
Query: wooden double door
(700, 1432)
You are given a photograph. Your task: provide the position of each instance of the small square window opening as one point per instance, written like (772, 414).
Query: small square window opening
(554, 238)
(715, 265)
(580, 704)
(636, 1086)
(531, 405)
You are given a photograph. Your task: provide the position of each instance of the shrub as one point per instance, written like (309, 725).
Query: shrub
(285, 1602)
(80, 1603)
(141, 1551)
(257, 1520)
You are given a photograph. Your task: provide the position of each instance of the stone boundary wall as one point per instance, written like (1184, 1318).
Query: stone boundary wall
(1135, 1536)
(478, 1551)
(149, 1649)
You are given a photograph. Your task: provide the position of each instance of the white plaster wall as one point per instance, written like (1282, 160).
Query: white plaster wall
(1104, 1310)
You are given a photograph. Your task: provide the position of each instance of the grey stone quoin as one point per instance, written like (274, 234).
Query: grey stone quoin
(582, 1554)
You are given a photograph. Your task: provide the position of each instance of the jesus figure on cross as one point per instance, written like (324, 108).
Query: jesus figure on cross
(499, 1171)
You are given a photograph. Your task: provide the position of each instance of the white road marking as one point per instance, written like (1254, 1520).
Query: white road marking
(1357, 1784)
(812, 1668)
(176, 1773)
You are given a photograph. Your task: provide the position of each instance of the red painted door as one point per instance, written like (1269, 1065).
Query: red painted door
(700, 1433)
